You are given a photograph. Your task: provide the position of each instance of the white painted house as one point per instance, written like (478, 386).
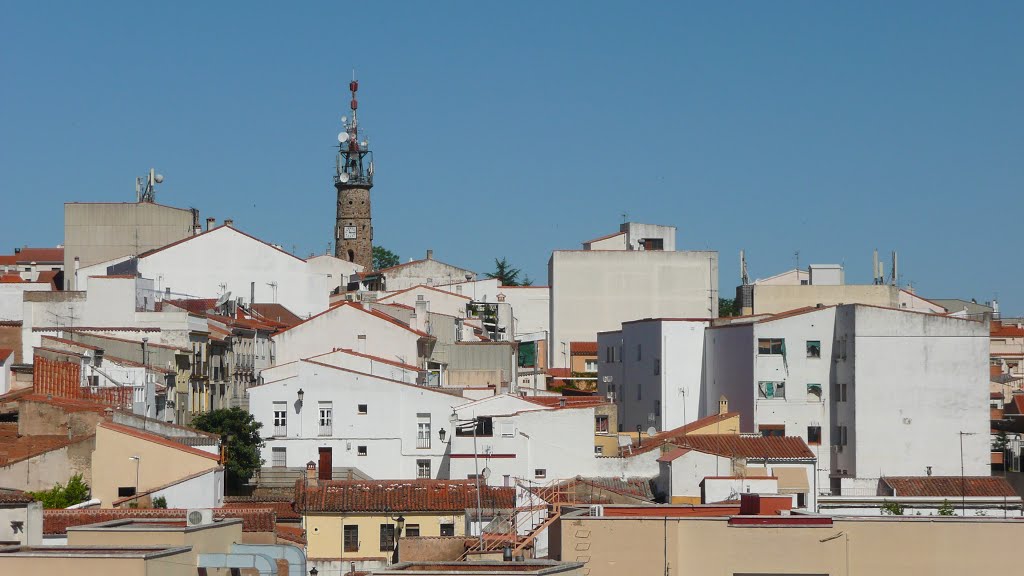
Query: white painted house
(226, 259)
(652, 370)
(350, 325)
(340, 417)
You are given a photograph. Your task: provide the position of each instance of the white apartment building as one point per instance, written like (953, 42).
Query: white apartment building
(520, 439)
(652, 370)
(636, 273)
(340, 417)
(873, 391)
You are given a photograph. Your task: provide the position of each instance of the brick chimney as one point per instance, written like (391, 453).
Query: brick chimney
(311, 475)
(723, 404)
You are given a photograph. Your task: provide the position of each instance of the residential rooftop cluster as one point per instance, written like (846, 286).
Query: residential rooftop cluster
(423, 417)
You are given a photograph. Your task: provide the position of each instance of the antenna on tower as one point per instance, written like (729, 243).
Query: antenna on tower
(744, 279)
(145, 186)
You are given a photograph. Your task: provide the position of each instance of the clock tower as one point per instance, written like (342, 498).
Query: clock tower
(353, 179)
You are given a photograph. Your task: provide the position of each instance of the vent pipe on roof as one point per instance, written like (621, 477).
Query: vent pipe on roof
(229, 222)
(430, 254)
(209, 223)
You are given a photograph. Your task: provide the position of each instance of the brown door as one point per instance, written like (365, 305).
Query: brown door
(326, 464)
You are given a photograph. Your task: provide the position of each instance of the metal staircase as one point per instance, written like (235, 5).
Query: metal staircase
(537, 508)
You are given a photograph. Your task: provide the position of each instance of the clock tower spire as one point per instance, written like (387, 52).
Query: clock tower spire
(353, 179)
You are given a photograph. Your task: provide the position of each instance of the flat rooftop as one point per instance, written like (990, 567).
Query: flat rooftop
(135, 552)
(482, 568)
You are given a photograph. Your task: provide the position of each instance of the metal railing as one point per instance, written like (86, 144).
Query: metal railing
(325, 430)
(280, 430)
(422, 443)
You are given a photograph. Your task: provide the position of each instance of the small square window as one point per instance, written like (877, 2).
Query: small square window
(772, 429)
(448, 529)
(814, 348)
(125, 491)
(598, 450)
(412, 530)
(361, 408)
(540, 473)
(601, 423)
(771, 346)
(814, 434)
(361, 450)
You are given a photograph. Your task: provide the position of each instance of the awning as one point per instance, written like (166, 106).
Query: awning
(792, 480)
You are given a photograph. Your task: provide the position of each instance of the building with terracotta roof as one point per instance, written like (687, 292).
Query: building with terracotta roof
(641, 276)
(357, 521)
(33, 265)
(352, 412)
(6, 361)
(427, 271)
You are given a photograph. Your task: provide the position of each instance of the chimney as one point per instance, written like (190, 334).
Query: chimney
(209, 223)
(561, 402)
(229, 222)
(311, 476)
(430, 254)
(78, 263)
(361, 343)
(723, 404)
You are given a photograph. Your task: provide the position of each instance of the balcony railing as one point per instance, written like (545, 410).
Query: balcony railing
(280, 430)
(325, 430)
(423, 442)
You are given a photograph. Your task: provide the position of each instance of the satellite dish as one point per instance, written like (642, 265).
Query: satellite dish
(343, 178)
(342, 137)
(158, 178)
(223, 299)
(652, 431)
(486, 473)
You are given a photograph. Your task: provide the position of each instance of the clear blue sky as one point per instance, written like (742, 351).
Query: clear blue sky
(511, 129)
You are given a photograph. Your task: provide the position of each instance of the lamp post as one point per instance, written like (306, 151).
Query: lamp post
(138, 461)
(963, 481)
(465, 425)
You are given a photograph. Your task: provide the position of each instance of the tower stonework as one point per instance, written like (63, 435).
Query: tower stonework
(353, 179)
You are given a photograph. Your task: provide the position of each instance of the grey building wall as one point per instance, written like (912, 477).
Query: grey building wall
(97, 232)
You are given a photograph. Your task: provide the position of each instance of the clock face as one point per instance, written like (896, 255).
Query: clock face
(350, 233)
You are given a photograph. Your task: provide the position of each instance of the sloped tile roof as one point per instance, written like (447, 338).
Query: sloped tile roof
(588, 348)
(937, 486)
(14, 448)
(757, 447)
(398, 496)
(277, 313)
(284, 510)
(12, 496)
(291, 533)
(27, 255)
(56, 522)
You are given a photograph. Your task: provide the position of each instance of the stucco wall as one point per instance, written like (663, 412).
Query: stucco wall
(340, 328)
(324, 533)
(43, 471)
(593, 291)
(772, 299)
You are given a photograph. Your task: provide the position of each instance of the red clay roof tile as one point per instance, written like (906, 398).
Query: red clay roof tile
(936, 486)
(56, 522)
(398, 496)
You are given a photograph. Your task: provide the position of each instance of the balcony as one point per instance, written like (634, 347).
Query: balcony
(423, 443)
(280, 431)
(325, 430)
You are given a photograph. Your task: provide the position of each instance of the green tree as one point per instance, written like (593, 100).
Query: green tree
(384, 258)
(892, 508)
(946, 509)
(159, 502)
(727, 307)
(241, 434)
(61, 496)
(1000, 442)
(506, 274)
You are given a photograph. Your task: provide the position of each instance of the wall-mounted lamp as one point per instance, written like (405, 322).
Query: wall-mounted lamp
(442, 433)
(301, 395)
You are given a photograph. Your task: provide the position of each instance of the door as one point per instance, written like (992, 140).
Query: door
(326, 464)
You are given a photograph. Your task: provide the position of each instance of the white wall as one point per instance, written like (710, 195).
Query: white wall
(11, 298)
(340, 327)
(594, 291)
(371, 366)
(428, 272)
(204, 491)
(226, 256)
(729, 370)
(530, 307)
(388, 429)
(438, 301)
(722, 489)
(340, 271)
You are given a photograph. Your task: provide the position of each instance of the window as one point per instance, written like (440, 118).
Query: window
(422, 431)
(639, 353)
(608, 357)
(351, 538)
(125, 491)
(601, 424)
(590, 366)
(412, 530)
(598, 450)
(280, 418)
(814, 348)
(361, 408)
(540, 473)
(772, 429)
(387, 537)
(814, 434)
(326, 418)
(484, 427)
(423, 469)
(840, 392)
(653, 243)
(361, 450)
(814, 392)
(508, 430)
(94, 381)
(639, 391)
(840, 439)
(657, 366)
(278, 456)
(771, 346)
(448, 529)
(770, 390)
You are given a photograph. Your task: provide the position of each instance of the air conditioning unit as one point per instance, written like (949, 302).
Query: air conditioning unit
(597, 510)
(199, 517)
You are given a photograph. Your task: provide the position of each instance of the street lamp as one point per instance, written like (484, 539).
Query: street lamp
(313, 571)
(442, 432)
(963, 482)
(464, 425)
(138, 461)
